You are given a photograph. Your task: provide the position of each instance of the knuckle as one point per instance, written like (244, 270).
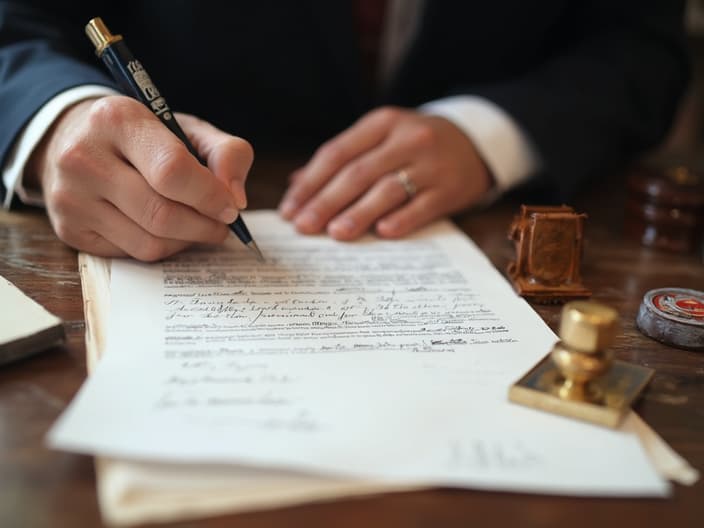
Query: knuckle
(74, 155)
(322, 207)
(422, 136)
(386, 115)
(331, 152)
(70, 235)
(167, 163)
(151, 249)
(158, 215)
(89, 241)
(390, 186)
(110, 111)
(300, 194)
(357, 173)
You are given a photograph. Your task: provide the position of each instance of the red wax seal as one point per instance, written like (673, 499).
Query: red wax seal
(674, 316)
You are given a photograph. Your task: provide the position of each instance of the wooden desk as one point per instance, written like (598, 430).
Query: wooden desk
(40, 488)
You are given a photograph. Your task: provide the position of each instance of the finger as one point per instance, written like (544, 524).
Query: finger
(72, 207)
(91, 242)
(294, 175)
(161, 157)
(386, 195)
(95, 244)
(130, 238)
(132, 195)
(350, 183)
(228, 157)
(423, 208)
(364, 135)
(96, 226)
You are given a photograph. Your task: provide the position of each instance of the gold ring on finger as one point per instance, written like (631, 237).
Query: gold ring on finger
(407, 183)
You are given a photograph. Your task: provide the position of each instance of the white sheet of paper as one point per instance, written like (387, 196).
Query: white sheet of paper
(382, 360)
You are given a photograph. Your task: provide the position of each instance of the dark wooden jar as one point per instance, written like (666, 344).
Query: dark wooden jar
(665, 208)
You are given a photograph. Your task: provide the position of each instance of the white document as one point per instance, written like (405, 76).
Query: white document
(387, 361)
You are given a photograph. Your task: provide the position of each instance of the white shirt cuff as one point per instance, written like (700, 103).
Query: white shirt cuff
(504, 147)
(31, 135)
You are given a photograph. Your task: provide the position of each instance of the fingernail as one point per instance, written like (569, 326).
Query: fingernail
(239, 195)
(307, 220)
(228, 215)
(287, 208)
(341, 226)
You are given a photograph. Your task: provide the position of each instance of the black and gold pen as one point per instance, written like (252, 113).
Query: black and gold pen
(135, 81)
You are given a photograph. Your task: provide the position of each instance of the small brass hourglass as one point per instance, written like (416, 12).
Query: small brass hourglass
(579, 377)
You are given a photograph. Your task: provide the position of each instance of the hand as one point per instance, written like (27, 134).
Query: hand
(117, 182)
(352, 182)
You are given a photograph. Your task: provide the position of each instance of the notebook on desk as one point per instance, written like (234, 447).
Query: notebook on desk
(26, 327)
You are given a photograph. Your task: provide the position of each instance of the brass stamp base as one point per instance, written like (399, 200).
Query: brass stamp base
(609, 397)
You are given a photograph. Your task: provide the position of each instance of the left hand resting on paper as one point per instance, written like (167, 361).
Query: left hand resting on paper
(355, 181)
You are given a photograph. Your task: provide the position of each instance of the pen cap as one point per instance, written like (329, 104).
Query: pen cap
(100, 35)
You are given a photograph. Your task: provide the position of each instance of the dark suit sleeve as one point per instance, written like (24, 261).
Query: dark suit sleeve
(37, 61)
(607, 96)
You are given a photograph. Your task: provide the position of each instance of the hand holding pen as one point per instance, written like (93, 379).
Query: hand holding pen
(117, 182)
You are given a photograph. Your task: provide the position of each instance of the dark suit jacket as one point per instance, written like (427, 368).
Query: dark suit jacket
(592, 83)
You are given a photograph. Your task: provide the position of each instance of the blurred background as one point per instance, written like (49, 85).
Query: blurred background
(686, 139)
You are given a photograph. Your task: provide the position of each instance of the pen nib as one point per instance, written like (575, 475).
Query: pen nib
(253, 246)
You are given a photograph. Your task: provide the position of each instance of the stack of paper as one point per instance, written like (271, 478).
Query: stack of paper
(333, 369)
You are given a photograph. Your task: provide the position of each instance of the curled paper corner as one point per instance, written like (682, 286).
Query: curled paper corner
(668, 463)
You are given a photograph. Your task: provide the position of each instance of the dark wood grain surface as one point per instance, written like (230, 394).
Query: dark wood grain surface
(43, 488)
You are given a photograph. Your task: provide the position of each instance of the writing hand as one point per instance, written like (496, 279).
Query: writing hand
(117, 182)
(352, 182)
